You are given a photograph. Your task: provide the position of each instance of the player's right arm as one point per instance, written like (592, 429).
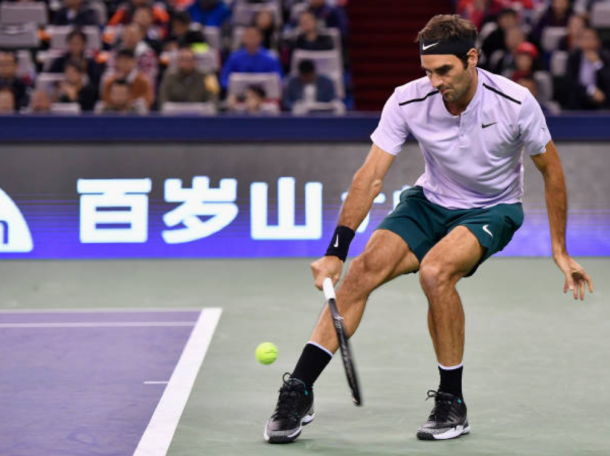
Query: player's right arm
(366, 185)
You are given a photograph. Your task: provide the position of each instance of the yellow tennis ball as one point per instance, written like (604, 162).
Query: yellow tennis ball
(266, 353)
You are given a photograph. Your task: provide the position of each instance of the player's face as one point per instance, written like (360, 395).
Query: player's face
(448, 75)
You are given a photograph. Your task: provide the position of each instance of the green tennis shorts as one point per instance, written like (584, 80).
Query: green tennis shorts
(422, 223)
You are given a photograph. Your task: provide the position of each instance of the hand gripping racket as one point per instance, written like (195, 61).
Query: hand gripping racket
(346, 352)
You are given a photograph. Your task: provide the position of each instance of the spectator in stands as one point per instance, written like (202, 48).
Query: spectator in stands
(576, 25)
(252, 58)
(153, 35)
(332, 17)
(140, 87)
(503, 61)
(124, 14)
(188, 84)
(40, 102)
(146, 58)
(309, 37)
(308, 87)
(7, 102)
(265, 21)
(211, 13)
(495, 41)
(473, 10)
(556, 15)
(526, 58)
(252, 102)
(77, 13)
(588, 74)
(183, 31)
(74, 89)
(76, 54)
(120, 99)
(10, 81)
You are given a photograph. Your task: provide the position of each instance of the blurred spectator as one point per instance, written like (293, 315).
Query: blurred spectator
(152, 35)
(588, 74)
(139, 85)
(308, 87)
(473, 10)
(576, 25)
(120, 99)
(77, 13)
(7, 102)
(332, 17)
(146, 58)
(124, 14)
(252, 58)
(187, 84)
(73, 89)
(503, 61)
(211, 13)
(76, 54)
(556, 15)
(251, 102)
(507, 19)
(309, 37)
(183, 31)
(40, 102)
(10, 81)
(265, 22)
(526, 57)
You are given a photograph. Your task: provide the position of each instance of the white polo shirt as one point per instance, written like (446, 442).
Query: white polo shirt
(474, 159)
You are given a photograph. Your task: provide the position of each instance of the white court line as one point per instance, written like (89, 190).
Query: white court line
(153, 382)
(104, 310)
(160, 431)
(97, 324)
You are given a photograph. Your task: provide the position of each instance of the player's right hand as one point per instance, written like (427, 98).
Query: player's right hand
(327, 266)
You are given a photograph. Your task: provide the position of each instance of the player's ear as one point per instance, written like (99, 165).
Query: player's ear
(473, 57)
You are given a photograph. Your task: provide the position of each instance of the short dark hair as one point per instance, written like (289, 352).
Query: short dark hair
(72, 64)
(507, 12)
(307, 67)
(258, 90)
(182, 16)
(77, 32)
(447, 27)
(128, 53)
(120, 83)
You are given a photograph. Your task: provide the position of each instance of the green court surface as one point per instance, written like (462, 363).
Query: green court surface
(537, 365)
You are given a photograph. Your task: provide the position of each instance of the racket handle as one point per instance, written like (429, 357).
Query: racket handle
(328, 288)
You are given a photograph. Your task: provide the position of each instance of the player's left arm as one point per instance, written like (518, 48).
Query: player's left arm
(549, 164)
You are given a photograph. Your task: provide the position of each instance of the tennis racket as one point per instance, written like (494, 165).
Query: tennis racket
(346, 352)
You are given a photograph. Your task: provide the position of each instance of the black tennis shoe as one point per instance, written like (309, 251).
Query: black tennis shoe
(447, 420)
(294, 409)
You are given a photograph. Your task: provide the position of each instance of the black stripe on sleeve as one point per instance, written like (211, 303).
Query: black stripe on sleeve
(434, 92)
(501, 94)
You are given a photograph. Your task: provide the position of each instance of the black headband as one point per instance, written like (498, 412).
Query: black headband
(454, 46)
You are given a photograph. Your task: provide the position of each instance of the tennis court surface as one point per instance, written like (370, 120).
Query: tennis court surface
(157, 357)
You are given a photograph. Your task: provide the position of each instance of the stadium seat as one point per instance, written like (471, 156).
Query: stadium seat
(25, 65)
(212, 37)
(208, 62)
(544, 81)
(270, 82)
(19, 36)
(298, 9)
(600, 15)
(559, 63)
(100, 8)
(328, 63)
(244, 13)
(551, 37)
(201, 109)
(303, 108)
(48, 81)
(65, 108)
(23, 13)
(59, 35)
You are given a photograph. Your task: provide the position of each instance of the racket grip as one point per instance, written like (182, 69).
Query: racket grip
(328, 288)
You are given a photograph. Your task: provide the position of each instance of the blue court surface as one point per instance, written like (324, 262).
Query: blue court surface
(92, 382)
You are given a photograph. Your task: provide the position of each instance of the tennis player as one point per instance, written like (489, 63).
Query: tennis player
(472, 127)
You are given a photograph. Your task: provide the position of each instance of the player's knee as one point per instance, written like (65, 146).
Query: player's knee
(434, 276)
(364, 270)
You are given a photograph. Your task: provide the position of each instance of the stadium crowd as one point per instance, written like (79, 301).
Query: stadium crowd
(175, 56)
(266, 56)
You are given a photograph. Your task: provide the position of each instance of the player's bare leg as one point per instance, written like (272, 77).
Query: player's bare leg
(444, 265)
(386, 256)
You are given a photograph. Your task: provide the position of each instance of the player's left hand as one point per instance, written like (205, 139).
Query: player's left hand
(576, 276)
